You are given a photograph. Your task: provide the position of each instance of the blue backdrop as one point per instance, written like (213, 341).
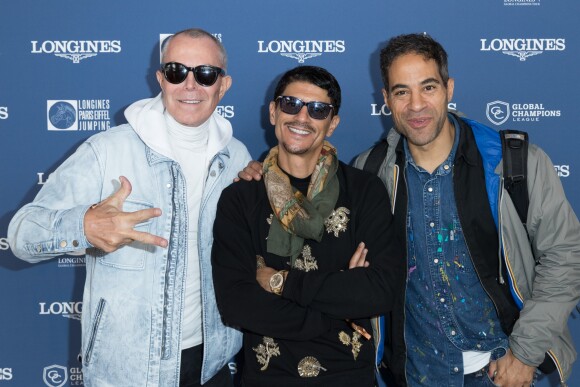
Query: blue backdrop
(68, 69)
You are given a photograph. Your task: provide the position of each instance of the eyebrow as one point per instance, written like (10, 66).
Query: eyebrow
(423, 83)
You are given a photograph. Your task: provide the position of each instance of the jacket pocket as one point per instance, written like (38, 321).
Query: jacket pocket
(132, 256)
(94, 332)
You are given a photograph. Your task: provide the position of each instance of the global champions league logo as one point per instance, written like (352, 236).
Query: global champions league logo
(301, 49)
(498, 112)
(57, 376)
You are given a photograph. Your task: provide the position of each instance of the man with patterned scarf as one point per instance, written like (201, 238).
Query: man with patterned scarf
(306, 260)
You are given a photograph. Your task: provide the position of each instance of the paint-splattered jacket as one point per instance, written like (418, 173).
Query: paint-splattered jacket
(540, 275)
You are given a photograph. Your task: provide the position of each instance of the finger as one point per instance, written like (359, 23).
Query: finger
(142, 215)
(491, 372)
(243, 175)
(147, 238)
(355, 259)
(254, 169)
(256, 166)
(362, 261)
(118, 198)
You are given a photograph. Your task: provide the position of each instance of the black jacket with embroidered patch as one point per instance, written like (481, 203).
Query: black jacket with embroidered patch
(320, 293)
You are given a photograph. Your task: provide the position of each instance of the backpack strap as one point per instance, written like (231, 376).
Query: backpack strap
(514, 145)
(376, 157)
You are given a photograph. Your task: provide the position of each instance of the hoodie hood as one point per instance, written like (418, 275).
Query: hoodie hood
(147, 120)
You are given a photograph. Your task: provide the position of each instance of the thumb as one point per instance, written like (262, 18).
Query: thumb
(123, 192)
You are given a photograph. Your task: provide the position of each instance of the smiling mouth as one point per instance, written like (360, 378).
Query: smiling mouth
(190, 101)
(300, 130)
(418, 122)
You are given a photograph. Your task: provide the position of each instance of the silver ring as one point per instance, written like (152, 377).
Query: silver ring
(494, 373)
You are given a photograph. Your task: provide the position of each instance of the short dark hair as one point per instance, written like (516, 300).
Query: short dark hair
(421, 44)
(315, 75)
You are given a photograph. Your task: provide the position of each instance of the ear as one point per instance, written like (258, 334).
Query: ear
(225, 85)
(333, 124)
(273, 113)
(160, 78)
(450, 87)
(386, 97)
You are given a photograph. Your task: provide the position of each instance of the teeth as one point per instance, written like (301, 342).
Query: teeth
(191, 101)
(297, 131)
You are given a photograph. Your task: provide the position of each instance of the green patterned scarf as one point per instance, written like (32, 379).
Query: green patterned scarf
(297, 217)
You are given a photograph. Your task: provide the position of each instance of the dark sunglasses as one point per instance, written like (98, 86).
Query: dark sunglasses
(205, 75)
(293, 105)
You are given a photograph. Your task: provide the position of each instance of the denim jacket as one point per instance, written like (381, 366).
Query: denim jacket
(134, 297)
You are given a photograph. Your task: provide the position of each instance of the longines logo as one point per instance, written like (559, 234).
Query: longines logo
(69, 309)
(562, 170)
(78, 115)
(41, 179)
(301, 49)
(4, 245)
(226, 111)
(3, 112)
(383, 110)
(523, 48)
(498, 112)
(521, 2)
(72, 261)
(76, 50)
(5, 373)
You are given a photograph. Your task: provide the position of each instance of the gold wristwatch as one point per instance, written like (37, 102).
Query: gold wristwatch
(277, 282)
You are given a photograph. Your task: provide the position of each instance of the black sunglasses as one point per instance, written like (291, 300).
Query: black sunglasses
(293, 105)
(205, 75)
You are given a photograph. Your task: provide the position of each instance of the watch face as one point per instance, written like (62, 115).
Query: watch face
(276, 280)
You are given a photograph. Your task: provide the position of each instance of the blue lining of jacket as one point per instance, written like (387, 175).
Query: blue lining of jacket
(489, 145)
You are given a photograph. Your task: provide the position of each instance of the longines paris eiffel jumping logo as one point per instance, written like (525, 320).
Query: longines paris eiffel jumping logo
(78, 115)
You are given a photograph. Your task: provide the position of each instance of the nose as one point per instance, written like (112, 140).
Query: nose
(303, 115)
(190, 82)
(416, 102)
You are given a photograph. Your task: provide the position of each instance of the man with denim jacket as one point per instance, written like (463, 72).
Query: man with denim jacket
(484, 305)
(141, 199)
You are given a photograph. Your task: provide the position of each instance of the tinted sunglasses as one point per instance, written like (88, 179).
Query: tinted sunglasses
(293, 105)
(205, 75)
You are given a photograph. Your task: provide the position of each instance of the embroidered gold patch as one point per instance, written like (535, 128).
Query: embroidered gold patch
(308, 262)
(354, 342)
(309, 367)
(265, 351)
(337, 221)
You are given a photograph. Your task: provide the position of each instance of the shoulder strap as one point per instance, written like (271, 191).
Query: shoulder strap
(514, 145)
(376, 157)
